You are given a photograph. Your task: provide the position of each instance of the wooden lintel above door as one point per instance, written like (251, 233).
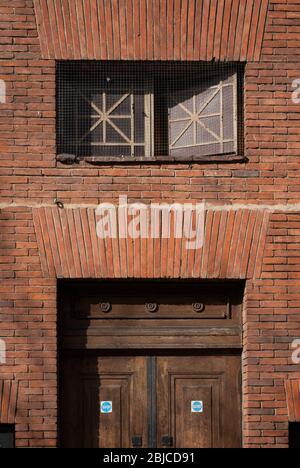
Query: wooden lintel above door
(144, 315)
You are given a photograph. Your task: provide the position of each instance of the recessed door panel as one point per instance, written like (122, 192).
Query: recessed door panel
(196, 405)
(194, 408)
(104, 402)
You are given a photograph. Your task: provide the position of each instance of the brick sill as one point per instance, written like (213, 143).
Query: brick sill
(101, 160)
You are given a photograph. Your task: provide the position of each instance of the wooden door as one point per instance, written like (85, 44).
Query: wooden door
(157, 401)
(104, 402)
(199, 402)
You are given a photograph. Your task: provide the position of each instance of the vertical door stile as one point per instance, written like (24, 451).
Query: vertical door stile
(152, 399)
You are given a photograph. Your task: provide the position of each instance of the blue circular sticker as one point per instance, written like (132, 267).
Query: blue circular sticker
(106, 407)
(197, 406)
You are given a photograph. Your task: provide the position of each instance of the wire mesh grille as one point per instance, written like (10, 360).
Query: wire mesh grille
(149, 109)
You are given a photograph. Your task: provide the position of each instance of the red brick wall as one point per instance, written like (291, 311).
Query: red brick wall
(30, 177)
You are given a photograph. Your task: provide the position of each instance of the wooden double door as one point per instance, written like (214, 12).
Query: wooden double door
(150, 401)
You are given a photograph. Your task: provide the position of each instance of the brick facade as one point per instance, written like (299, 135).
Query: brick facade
(31, 179)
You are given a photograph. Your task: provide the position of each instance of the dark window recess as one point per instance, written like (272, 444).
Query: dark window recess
(145, 110)
(7, 436)
(294, 435)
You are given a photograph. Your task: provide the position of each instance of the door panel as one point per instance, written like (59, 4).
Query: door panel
(196, 430)
(207, 380)
(86, 382)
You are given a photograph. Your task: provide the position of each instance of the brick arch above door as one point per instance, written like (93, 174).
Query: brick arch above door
(226, 30)
(69, 247)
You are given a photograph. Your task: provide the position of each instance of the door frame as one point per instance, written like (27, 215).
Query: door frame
(199, 347)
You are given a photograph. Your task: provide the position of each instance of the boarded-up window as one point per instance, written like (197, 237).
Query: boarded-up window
(203, 120)
(145, 110)
(112, 122)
